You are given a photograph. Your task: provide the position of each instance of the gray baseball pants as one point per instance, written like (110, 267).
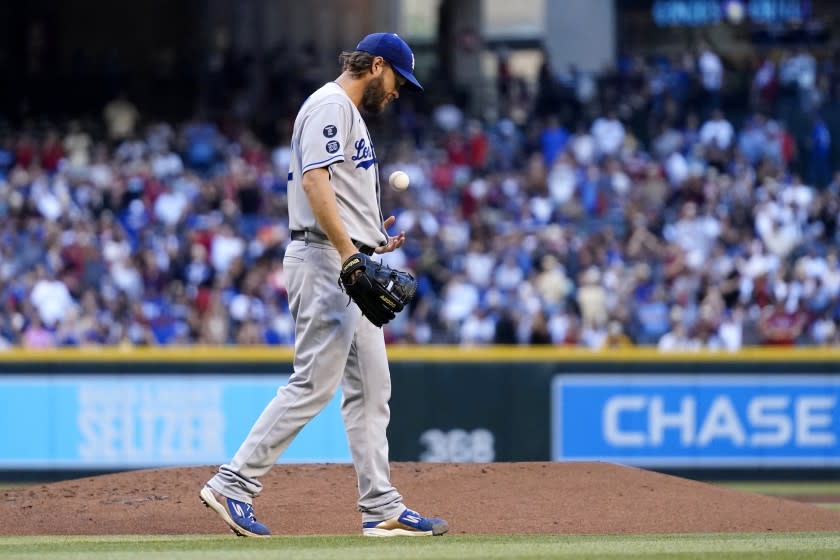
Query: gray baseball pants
(334, 345)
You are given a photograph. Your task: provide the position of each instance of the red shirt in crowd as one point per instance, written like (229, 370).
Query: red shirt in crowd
(779, 327)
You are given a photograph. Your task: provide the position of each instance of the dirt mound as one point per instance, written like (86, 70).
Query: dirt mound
(537, 498)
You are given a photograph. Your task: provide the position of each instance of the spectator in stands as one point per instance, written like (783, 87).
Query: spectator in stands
(780, 324)
(608, 134)
(717, 136)
(819, 152)
(711, 77)
(616, 338)
(35, 335)
(592, 299)
(51, 300)
(121, 116)
(553, 140)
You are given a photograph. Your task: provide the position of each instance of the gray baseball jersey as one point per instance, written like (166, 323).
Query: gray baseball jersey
(329, 132)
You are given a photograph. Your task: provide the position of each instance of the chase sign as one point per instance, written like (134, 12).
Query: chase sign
(697, 420)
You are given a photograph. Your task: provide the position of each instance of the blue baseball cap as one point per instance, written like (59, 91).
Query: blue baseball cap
(395, 51)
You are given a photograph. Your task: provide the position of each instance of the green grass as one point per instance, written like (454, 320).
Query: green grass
(785, 488)
(683, 547)
(12, 485)
(792, 489)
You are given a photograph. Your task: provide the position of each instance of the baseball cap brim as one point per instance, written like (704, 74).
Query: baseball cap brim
(411, 81)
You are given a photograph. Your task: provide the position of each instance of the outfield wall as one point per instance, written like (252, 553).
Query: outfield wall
(109, 409)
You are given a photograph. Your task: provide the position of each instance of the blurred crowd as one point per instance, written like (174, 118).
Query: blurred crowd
(643, 205)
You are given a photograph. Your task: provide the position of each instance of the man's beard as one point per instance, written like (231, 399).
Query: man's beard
(373, 96)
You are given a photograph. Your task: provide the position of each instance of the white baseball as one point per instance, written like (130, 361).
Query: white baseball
(399, 180)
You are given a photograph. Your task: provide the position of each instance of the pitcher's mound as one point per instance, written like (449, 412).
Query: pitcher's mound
(537, 498)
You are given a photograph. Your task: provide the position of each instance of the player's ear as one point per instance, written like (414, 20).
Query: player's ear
(377, 66)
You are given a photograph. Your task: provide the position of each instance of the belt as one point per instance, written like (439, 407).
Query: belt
(307, 236)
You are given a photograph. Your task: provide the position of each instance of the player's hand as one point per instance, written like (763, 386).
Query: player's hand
(393, 242)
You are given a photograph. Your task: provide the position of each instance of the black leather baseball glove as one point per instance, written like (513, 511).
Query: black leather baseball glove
(380, 291)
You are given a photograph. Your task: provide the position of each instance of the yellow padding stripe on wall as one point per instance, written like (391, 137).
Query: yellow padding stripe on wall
(400, 353)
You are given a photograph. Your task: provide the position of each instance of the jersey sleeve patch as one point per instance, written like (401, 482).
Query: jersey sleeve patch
(323, 135)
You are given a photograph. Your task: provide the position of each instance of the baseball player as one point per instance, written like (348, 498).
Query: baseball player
(336, 226)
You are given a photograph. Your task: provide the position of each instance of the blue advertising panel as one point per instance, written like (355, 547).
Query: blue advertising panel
(137, 421)
(712, 12)
(697, 420)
